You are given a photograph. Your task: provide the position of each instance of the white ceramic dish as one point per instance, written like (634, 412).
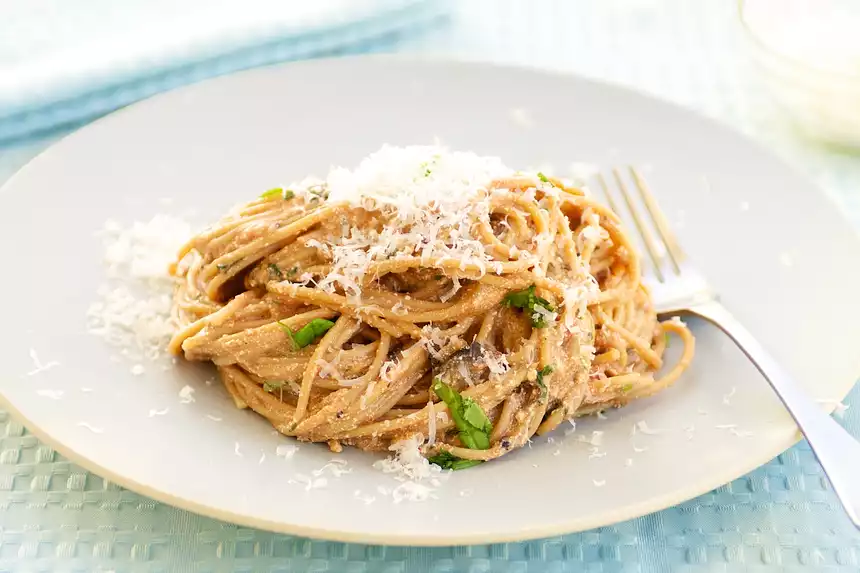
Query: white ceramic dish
(781, 256)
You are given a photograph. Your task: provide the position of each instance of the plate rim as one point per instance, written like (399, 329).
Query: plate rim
(646, 507)
(574, 524)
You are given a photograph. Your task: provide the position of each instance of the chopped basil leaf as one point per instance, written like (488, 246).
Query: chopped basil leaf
(275, 272)
(448, 461)
(527, 300)
(278, 192)
(438, 278)
(473, 413)
(223, 268)
(470, 419)
(542, 177)
(272, 193)
(545, 371)
(519, 299)
(292, 272)
(308, 333)
(275, 386)
(627, 388)
(272, 385)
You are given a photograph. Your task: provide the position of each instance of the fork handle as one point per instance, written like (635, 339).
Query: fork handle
(836, 450)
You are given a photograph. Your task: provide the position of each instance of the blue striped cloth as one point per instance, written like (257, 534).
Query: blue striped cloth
(31, 108)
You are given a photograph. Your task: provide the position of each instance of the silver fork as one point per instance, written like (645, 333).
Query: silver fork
(679, 288)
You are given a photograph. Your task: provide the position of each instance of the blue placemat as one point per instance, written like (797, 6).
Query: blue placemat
(783, 517)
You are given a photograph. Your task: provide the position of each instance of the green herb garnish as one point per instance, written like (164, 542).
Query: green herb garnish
(470, 419)
(545, 371)
(223, 268)
(272, 385)
(528, 300)
(308, 333)
(275, 272)
(627, 388)
(278, 192)
(543, 177)
(448, 461)
(438, 278)
(272, 193)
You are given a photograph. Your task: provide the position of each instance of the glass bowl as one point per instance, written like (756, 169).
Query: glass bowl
(807, 53)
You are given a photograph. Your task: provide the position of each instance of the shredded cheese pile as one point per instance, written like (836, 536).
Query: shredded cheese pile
(133, 310)
(428, 192)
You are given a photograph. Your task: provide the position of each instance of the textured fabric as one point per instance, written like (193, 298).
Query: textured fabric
(40, 105)
(55, 516)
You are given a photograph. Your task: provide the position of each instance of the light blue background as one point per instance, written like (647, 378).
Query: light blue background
(55, 516)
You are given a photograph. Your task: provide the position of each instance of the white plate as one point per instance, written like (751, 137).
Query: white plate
(221, 142)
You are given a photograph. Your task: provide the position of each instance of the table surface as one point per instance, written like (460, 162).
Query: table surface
(56, 516)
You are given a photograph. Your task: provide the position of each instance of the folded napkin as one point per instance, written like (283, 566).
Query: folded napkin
(66, 62)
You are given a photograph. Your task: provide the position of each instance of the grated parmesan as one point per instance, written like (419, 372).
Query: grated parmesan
(643, 428)
(367, 499)
(690, 430)
(595, 440)
(308, 482)
(38, 367)
(132, 312)
(412, 491)
(334, 467)
(497, 363)
(427, 196)
(286, 451)
(186, 395)
(741, 433)
(418, 476)
(90, 427)
(52, 394)
(596, 453)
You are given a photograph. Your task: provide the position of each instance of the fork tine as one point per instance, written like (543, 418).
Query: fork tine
(644, 232)
(662, 225)
(610, 200)
(613, 205)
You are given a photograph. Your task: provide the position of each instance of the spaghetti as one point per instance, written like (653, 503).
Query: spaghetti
(426, 292)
